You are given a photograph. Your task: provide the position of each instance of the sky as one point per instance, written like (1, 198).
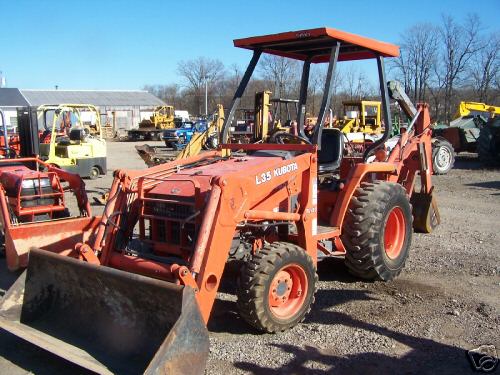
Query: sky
(124, 45)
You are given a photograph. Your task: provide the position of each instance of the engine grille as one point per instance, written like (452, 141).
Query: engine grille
(169, 210)
(171, 223)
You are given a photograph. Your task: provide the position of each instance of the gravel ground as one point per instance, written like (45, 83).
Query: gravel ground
(444, 303)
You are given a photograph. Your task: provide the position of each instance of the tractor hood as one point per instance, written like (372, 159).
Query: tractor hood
(184, 183)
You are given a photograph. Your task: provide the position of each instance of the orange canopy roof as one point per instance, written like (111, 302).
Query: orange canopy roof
(317, 43)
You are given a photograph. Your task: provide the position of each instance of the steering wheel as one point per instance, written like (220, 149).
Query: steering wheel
(282, 137)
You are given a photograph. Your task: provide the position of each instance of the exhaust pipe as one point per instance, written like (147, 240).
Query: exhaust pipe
(106, 320)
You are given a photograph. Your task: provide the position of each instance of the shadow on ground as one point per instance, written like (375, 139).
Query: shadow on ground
(422, 356)
(470, 161)
(486, 185)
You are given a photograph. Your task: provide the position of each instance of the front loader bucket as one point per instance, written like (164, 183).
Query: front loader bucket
(106, 320)
(425, 212)
(58, 236)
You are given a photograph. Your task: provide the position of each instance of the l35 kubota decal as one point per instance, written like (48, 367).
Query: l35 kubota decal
(280, 171)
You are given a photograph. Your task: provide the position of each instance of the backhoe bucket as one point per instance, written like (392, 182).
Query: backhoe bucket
(425, 212)
(58, 236)
(106, 320)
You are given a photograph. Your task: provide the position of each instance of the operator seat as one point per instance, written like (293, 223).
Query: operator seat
(332, 148)
(77, 135)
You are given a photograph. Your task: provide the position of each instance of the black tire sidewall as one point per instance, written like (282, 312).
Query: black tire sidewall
(486, 145)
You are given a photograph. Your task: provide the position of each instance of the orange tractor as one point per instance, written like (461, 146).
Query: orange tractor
(139, 295)
(33, 208)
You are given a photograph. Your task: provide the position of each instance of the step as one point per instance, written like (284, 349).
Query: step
(325, 231)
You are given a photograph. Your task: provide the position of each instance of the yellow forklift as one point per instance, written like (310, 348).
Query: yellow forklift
(72, 139)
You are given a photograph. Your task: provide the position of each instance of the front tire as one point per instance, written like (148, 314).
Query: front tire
(443, 156)
(94, 173)
(276, 287)
(377, 231)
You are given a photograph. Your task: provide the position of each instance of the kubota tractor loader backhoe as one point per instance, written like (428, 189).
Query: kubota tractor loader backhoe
(167, 232)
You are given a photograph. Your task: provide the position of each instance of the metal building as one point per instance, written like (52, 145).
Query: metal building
(121, 109)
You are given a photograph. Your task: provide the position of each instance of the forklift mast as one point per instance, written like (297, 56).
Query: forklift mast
(28, 132)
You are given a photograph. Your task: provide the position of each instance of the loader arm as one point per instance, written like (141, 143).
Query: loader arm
(198, 140)
(466, 108)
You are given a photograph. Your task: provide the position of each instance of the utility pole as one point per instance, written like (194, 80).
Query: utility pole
(206, 95)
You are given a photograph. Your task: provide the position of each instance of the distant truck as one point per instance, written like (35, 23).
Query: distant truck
(178, 138)
(151, 129)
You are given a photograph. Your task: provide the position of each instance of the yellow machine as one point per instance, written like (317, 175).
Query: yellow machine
(208, 139)
(361, 116)
(267, 117)
(77, 146)
(162, 118)
(466, 108)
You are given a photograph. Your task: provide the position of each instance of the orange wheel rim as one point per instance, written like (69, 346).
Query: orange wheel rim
(394, 233)
(288, 291)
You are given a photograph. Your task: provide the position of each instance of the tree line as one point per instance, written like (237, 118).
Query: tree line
(439, 64)
(448, 63)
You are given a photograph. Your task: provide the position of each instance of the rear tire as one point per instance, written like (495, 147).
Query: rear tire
(487, 146)
(276, 287)
(377, 231)
(443, 156)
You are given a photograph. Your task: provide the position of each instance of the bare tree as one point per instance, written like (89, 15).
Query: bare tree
(170, 94)
(354, 84)
(281, 72)
(199, 71)
(485, 69)
(419, 45)
(460, 43)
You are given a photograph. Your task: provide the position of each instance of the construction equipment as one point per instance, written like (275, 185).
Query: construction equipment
(265, 119)
(488, 143)
(208, 140)
(261, 124)
(280, 122)
(276, 207)
(77, 150)
(178, 138)
(361, 116)
(152, 128)
(461, 135)
(468, 109)
(242, 130)
(268, 116)
(33, 208)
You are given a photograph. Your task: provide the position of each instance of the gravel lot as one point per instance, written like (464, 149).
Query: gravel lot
(444, 303)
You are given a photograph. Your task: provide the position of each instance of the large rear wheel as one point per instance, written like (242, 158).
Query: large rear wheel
(443, 156)
(276, 287)
(377, 231)
(487, 148)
